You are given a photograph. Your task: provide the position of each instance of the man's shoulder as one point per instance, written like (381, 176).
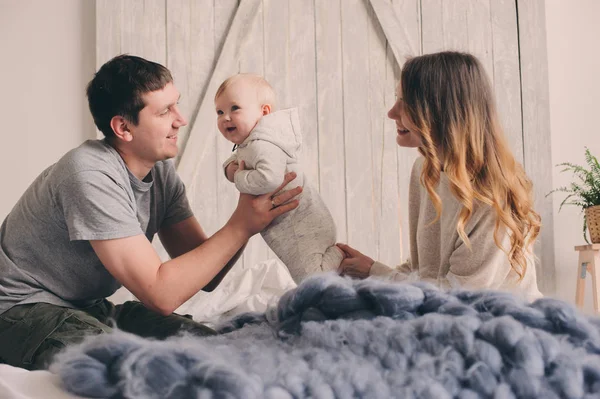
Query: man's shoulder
(164, 172)
(91, 156)
(166, 166)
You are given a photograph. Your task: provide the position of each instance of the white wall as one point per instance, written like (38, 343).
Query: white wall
(574, 63)
(48, 56)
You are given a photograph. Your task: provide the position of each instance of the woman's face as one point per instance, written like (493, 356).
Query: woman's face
(405, 136)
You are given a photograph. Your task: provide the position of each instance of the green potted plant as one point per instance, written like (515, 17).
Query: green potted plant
(584, 192)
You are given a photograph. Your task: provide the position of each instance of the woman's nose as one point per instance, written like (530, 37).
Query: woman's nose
(392, 113)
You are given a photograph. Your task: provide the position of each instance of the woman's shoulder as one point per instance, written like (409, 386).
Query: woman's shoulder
(415, 173)
(418, 163)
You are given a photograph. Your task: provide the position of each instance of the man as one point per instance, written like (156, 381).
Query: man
(85, 225)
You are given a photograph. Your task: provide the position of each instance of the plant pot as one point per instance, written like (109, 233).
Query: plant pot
(592, 215)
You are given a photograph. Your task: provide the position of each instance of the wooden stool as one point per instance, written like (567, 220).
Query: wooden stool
(589, 262)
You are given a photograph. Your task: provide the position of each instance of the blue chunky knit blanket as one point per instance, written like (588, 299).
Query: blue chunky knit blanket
(336, 338)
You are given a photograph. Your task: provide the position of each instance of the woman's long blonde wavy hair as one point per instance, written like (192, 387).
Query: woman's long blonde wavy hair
(448, 98)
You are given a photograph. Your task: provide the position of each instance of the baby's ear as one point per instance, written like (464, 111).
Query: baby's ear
(266, 109)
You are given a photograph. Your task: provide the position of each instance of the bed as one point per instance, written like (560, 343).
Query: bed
(333, 337)
(243, 290)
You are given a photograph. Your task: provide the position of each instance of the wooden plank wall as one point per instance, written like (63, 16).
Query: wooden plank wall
(331, 59)
(536, 128)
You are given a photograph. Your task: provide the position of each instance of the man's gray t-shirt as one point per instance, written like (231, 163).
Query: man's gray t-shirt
(89, 194)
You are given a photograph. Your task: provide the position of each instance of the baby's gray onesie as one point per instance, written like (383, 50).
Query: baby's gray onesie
(304, 238)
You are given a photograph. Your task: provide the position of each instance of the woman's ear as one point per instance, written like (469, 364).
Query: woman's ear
(120, 126)
(266, 109)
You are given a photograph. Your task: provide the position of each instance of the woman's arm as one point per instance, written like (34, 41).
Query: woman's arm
(357, 265)
(402, 272)
(486, 266)
(482, 264)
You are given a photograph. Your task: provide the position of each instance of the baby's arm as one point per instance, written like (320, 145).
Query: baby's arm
(230, 166)
(269, 168)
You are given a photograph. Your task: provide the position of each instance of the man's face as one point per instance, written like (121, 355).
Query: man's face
(155, 136)
(238, 111)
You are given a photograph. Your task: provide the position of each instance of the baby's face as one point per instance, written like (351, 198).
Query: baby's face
(238, 111)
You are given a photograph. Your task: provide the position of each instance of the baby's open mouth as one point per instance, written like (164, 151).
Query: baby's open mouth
(230, 129)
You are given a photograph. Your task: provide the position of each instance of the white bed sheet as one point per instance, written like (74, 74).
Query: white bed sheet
(242, 290)
(17, 383)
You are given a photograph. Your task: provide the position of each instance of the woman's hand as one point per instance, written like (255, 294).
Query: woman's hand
(355, 264)
(255, 212)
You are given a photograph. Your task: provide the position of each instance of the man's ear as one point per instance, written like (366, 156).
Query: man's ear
(120, 126)
(266, 109)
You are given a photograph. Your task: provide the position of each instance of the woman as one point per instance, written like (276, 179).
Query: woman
(471, 217)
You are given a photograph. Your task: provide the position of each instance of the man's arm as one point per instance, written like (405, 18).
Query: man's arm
(182, 237)
(163, 287)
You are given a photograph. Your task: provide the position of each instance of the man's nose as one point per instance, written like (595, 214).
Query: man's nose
(180, 121)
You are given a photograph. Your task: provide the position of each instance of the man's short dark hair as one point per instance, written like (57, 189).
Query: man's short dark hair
(118, 86)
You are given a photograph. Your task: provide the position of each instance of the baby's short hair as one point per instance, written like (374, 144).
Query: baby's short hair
(264, 91)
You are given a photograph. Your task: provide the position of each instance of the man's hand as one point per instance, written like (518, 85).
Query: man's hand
(231, 169)
(355, 264)
(254, 213)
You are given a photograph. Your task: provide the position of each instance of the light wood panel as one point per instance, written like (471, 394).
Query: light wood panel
(506, 73)
(332, 182)
(252, 60)
(536, 129)
(357, 127)
(192, 43)
(409, 14)
(336, 60)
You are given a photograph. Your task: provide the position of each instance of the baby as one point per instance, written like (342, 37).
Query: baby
(268, 142)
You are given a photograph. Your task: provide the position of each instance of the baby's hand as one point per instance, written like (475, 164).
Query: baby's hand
(231, 169)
